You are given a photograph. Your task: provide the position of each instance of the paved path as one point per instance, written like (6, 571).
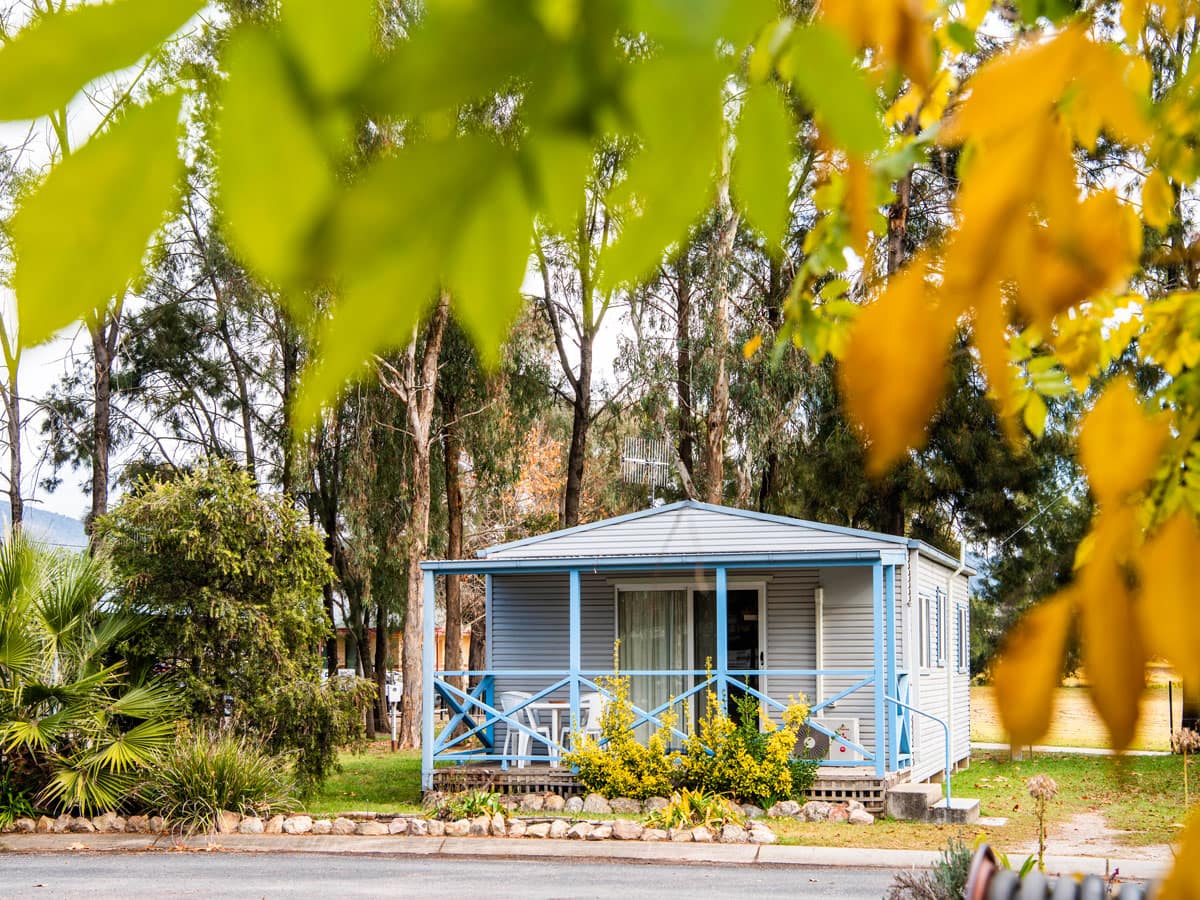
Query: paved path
(310, 875)
(734, 856)
(1078, 751)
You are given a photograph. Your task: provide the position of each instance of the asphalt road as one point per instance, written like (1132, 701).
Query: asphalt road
(231, 875)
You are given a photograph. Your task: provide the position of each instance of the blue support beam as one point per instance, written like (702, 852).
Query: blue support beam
(575, 658)
(428, 664)
(889, 599)
(722, 635)
(880, 686)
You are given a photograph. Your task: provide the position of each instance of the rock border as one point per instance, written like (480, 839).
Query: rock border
(591, 825)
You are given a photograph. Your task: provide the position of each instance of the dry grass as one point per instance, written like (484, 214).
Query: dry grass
(1075, 721)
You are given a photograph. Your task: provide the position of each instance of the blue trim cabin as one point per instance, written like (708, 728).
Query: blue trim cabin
(871, 628)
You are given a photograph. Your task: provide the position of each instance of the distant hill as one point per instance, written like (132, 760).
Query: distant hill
(62, 531)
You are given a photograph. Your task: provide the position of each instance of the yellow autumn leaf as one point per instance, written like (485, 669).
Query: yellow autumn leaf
(989, 324)
(1119, 443)
(1084, 249)
(1133, 19)
(1167, 573)
(1183, 883)
(905, 107)
(1114, 655)
(892, 387)
(858, 203)
(1030, 667)
(975, 11)
(751, 346)
(1013, 89)
(1158, 200)
(900, 30)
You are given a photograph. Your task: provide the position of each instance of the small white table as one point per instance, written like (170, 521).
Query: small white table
(555, 708)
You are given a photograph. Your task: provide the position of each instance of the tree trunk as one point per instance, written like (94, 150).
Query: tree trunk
(12, 409)
(477, 652)
(580, 422)
(777, 291)
(717, 420)
(420, 388)
(103, 340)
(289, 352)
(684, 427)
(381, 665)
(331, 648)
(451, 454)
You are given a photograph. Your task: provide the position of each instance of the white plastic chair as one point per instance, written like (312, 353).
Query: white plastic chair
(510, 700)
(591, 713)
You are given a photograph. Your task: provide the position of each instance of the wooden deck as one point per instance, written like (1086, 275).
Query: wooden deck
(834, 784)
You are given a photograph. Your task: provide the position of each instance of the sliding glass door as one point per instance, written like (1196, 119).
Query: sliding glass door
(652, 627)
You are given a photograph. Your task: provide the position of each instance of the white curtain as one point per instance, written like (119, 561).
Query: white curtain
(652, 628)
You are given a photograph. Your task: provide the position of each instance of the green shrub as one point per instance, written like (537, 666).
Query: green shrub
(233, 579)
(804, 773)
(946, 880)
(310, 721)
(688, 808)
(15, 803)
(205, 773)
(469, 804)
(618, 765)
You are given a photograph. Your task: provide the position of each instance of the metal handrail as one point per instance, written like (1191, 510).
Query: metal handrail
(945, 728)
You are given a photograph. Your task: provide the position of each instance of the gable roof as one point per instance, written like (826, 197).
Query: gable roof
(691, 528)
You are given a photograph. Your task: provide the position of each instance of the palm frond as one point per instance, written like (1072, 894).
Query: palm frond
(85, 788)
(137, 747)
(152, 700)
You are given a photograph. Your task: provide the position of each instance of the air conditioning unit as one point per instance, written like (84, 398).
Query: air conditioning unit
(845, 728)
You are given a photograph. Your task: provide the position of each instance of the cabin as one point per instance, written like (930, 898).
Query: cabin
(872, 629)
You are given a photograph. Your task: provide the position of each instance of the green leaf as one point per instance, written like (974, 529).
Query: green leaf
(492, 257)
(1035, 415)
(392, 239)
(377, 310)
(562, 163)
(48, 62)
(460, 53)
(762, 164)
(701, 23)
(676, 102)
(81, 237)
(333, 41)
(836, 88)
(962, 35)
(274, 177)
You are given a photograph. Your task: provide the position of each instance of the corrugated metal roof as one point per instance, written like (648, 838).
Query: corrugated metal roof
(690, 528)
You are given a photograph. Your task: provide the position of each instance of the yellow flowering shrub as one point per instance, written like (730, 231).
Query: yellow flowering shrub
(739, 758)
(618, 765)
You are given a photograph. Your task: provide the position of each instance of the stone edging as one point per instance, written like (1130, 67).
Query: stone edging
(497, 825)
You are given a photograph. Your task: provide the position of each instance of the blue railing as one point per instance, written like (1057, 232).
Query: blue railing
(470, 733)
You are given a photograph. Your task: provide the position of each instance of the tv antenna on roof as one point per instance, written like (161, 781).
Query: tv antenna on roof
(646, 461)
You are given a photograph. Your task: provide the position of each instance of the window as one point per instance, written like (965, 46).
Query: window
(932, 624)
(939, 637)
(652, 626)
(924, 625)
(964, 640)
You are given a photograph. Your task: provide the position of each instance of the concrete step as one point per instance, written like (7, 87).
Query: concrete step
(911, 801)
(959, 811)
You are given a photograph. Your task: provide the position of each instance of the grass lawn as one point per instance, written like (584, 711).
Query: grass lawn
(375, 781)
(1076, 723)
(1139, 795)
